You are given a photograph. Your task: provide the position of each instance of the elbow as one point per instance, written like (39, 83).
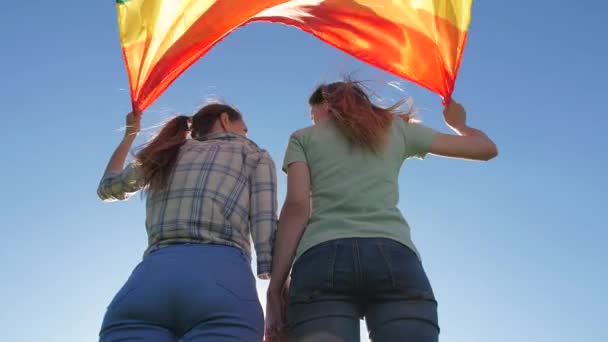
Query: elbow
(490, 153)
(101, 194)
(494, 153)
(106, 196)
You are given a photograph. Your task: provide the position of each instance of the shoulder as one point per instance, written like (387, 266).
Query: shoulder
(302, 132)
(411, 127)
(261, 155)
(265, 157)
(402, 125)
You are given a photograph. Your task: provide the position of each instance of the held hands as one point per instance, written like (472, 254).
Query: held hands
(455, 116)
(275, 329)
(133, 124)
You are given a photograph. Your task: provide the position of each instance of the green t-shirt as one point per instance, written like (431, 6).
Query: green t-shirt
(355, 192)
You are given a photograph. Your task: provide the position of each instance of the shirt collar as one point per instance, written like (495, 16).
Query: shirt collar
(226, 136)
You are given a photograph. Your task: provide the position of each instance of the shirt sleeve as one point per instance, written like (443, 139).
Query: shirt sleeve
(294, 152)
(263, 213)
(119, 186)
(418, 140)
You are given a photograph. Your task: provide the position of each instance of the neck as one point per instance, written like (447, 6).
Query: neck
(321, 119)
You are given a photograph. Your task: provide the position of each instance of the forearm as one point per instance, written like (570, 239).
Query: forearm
(292, 223)
(477, 134)
(481, 147)
(117, 161)
(469, 131)
(263, 213)
(263, 234)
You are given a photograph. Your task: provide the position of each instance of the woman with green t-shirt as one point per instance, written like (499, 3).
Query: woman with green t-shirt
(354, 257)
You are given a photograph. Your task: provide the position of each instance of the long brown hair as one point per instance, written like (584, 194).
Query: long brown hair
(159, 156)
(364, 123)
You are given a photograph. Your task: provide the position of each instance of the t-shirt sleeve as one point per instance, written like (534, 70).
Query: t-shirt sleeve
(295, 152)
(418, 140)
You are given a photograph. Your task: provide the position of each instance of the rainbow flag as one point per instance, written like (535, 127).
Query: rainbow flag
(419, 40)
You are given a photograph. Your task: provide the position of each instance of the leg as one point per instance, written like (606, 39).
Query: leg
(323, 303)
(402, 321)
(328, 321)
(130, 317)
(242, 321)
(228, 310)
(136, 331)
(401, 305)
(222, 331)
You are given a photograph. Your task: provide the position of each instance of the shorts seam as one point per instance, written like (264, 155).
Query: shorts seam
(236, 295)
(388, 264)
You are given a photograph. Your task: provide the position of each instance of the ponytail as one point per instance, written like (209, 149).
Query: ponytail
(362, 122)
(158, 158)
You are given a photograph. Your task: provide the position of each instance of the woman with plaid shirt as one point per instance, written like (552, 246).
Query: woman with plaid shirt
(206, 195)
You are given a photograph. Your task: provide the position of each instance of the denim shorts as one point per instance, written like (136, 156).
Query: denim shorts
(341, 281)
(190, 293)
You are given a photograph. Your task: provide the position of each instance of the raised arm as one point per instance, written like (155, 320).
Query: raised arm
(469, 143)
(116, 183)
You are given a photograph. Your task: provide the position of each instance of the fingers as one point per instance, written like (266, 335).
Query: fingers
(453, 107)
(453, 102)
(276, 316)
(134, 115)
(275, 328)
(275, 333)
(275, 336)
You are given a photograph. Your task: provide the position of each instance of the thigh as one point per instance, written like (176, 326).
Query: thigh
(312, 276)
(134, 311)
(233, 314)
(228, 329)
(401, 304)
(322, 304)
(408, 321)
(393, 272)
(227, 308)
(136, 331)
(331, 321)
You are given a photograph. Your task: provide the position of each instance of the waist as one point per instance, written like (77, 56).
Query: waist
(195, 240)
(197, 250)
(319, 233)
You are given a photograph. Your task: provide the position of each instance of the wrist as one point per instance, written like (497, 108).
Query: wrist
(274, 289)
(129, 137)
(460, 128)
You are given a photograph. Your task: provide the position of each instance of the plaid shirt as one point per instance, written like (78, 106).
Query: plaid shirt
(223, 189)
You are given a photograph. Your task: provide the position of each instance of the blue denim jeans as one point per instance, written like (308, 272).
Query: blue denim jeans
(188, 292)
(339, 282)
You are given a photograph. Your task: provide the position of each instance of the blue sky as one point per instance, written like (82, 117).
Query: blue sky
(514, 248)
